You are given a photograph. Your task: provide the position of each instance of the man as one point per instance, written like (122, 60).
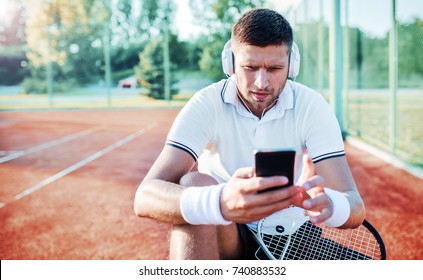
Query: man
(221, 126)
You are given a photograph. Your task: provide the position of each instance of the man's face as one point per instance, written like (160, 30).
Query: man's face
(261, 74)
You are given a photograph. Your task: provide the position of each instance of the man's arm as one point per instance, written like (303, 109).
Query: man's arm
(159, 193)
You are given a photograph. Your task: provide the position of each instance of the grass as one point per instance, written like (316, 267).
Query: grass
(84, 99)
(369, 118)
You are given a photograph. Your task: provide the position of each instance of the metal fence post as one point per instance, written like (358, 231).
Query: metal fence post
(335, 62)
(107, 45)
(346, 59)
(393, 79)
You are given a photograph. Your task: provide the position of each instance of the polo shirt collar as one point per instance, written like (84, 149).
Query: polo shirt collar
(285, 101)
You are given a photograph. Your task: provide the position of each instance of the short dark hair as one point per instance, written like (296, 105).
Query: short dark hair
(263, 27)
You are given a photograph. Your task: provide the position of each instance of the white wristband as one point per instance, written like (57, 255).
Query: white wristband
(341, 208)
(201, 205)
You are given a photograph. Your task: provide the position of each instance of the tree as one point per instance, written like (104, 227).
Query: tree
(67, 34)
(218, 16)
(150, 70)
(410, 55)
(162, 54)
(12, 39)
(210, 63)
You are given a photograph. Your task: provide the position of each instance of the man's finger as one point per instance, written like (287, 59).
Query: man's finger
(244, 172)
(313, 182)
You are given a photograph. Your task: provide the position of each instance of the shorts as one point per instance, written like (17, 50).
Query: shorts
(252, 250)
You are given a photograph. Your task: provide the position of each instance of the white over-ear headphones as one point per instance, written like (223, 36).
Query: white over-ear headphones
(228, 60)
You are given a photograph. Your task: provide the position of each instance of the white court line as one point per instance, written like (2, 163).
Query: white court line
(50, 144)
(79, 164)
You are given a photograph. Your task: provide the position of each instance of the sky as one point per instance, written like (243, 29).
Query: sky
(370, 16)
(5, 6)
(184, 21)
(187, 28)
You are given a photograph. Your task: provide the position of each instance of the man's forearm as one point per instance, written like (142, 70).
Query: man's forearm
(358, 211)
(159, 200)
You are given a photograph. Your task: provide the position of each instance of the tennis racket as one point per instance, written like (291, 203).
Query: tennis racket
(289, 235)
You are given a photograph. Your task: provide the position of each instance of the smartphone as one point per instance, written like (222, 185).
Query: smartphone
(275, 162)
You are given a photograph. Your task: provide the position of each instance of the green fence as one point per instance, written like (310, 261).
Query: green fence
(382, 68)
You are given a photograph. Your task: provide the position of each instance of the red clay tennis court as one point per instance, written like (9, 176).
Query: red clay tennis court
(68, 179)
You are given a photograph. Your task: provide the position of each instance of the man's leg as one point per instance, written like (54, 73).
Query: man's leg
(201, 242)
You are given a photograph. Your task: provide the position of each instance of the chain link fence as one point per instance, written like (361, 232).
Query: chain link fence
(382, 68)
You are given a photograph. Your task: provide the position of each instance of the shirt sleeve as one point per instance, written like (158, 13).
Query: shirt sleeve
(321, 130)
(195, 124)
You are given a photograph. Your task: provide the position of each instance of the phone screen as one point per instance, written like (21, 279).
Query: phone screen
(275, 162)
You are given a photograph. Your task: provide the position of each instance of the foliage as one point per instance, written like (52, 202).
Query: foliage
(125, 57)
(368, 56)
(373, 55)
(67, 33)
(410, 54)
(11, 70)
(36, 85)
(219, 20)
(12, 37)
(71, 34)
(150, 71)
(210, 62)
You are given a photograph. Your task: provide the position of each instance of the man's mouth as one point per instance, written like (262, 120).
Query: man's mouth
(260, 95)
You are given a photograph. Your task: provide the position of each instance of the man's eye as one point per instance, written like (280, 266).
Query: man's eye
(274, 69)
(249, 68)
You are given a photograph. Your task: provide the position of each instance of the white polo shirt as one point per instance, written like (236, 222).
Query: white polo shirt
(217, 130)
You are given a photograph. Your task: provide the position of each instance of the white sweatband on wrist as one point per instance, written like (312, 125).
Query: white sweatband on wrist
(201, 205)
(341, 208)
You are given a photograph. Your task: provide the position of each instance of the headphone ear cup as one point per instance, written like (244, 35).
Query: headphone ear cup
(227, 59)
(294, 61)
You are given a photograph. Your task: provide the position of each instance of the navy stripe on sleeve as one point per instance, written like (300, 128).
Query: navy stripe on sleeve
(183, 148)
(328, 155)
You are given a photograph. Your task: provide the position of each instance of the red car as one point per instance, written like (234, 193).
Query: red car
(130, 82)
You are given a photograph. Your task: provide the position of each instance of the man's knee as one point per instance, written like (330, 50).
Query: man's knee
(203, 241)
(196, 178)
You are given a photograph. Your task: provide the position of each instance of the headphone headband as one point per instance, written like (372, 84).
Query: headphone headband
(228, 60)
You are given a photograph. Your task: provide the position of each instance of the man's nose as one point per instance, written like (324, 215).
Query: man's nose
(261, 81)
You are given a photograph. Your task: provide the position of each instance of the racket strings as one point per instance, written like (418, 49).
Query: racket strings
(315, 242)
(360, 241)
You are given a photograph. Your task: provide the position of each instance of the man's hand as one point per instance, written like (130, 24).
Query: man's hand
(315, 200)
(240, 201)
